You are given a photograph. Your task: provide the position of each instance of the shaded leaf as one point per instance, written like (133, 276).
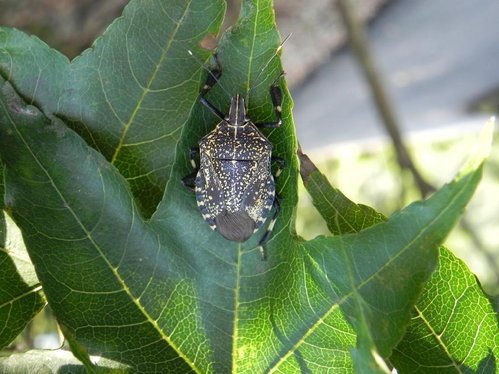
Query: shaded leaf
(366, 358)
(131, 94)
(37, 71)
(79, 351)
(35, 67)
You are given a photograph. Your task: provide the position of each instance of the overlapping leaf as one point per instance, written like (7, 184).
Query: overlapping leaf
(36, 69)
(454, 327)
(452, 303)
(168, 294)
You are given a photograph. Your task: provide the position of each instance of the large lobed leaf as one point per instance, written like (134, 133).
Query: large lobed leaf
(453, 326)
(169, 294)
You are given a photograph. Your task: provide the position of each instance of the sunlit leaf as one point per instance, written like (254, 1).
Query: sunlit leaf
(20, 294)
(452, 302)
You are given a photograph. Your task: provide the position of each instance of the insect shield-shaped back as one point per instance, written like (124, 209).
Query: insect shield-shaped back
(235, 189)
(234, 186)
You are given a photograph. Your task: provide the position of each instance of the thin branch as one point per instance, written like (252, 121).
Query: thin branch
(360, 47)
(358, 42)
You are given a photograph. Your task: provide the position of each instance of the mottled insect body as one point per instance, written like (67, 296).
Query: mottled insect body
(234, 186)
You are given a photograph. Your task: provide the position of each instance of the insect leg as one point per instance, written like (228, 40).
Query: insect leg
(189, 180)
(276, 96)
(266, 237)
(277, 207)
(193, 154)
(214, 75)
(281, 164)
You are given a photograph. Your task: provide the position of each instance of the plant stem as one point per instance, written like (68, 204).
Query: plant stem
(360, 47)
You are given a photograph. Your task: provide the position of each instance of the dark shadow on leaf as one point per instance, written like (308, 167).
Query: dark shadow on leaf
(488, 364)
(288, 343)
(152, 192)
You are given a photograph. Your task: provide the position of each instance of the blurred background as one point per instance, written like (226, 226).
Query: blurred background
(389, 96)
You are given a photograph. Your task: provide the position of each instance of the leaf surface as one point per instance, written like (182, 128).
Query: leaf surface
(451, 302)
(168, 294)
(131, 94)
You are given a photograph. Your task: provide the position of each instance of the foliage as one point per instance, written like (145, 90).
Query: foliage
(94, 151)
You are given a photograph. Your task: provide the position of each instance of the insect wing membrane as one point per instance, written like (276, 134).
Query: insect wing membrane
(209, 192)
(260, 193)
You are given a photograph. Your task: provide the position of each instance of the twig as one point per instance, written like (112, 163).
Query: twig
(358, 41)
(360, 47)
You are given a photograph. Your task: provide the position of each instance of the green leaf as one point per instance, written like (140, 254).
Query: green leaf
(79, 351)
(20, 295)
(36, 68)
(168, 294)
(91, 268)
(454, 327)
(129, 95)
(132, 93)
(365, 357)
(36, 71)
(341, 215)
(452, 302)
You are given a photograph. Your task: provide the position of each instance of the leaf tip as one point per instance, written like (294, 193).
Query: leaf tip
(480, 150)
(307, 167)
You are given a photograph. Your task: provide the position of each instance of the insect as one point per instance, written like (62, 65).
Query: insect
(234, 184)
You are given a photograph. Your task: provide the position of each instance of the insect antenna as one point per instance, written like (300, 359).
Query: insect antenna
(276, 52)
(210, 72)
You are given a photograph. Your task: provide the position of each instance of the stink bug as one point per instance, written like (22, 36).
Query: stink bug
(234, 184)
